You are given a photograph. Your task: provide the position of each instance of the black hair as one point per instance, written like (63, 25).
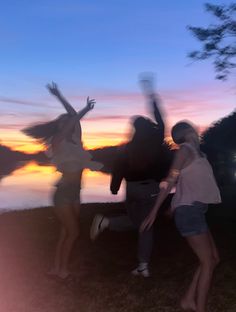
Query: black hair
(144, 147)
(178, 132)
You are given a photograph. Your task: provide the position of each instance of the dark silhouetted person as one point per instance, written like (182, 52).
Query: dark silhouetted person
(137, 164)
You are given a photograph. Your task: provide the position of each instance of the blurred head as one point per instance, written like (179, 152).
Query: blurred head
(142, 129)
(46, 130)
(143, 148)
(61, 120)
(139, 123)
(184, 131)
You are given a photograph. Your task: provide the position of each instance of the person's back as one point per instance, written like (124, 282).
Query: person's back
(139, 163)
(144, 157)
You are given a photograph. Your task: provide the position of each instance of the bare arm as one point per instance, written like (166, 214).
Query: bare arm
(53, 89)
(166, 186)
(70, 124)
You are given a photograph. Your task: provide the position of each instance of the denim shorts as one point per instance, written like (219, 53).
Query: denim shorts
(66, 194)
(190, 219)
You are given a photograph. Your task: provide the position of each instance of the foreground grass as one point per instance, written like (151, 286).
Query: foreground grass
(27, 240)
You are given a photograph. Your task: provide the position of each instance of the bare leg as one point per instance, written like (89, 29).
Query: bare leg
(188, 300)
(202, 246)
(76, 208)
(215, 252)
(68, 235)
(57, 260)
(71, 225)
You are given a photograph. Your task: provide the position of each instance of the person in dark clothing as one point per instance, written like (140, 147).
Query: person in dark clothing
(139, 163)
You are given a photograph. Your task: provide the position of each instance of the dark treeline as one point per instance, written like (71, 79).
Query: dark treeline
(11, 160)
(218, 142)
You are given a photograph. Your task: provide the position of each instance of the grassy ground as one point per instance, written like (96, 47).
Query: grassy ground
(27, 240)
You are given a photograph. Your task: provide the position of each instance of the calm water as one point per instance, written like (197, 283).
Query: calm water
(31, 186)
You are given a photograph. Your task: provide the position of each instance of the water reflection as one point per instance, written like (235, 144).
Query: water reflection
(31, 185)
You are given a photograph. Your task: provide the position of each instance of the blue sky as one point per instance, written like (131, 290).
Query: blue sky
(98, 48)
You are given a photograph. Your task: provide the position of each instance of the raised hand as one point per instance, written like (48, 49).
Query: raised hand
(53, 88)
(147, 83)
(90, 103)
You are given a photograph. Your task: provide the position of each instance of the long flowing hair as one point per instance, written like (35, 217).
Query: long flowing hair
(44, 131)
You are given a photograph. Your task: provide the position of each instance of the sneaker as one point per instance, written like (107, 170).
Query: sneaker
(97, 226)
(141, 272)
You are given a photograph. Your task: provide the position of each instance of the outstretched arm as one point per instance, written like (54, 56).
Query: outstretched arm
(53, 89)
(148, 89)
(155, 102)
(166, 186)
(117, 173)
(70, 124)
(89, 106)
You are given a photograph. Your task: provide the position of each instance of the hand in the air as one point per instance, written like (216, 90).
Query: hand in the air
(90, 103)
(147, 83)
(53, 89)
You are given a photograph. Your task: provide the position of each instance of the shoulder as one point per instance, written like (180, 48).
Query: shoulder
(184, 150)
(182, 156)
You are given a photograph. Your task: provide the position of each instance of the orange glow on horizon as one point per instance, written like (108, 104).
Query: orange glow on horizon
(30, 148)
(92, 143)
(33, 167)
(94, 136)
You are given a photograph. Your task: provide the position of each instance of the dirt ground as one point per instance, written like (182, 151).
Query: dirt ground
(102, 269)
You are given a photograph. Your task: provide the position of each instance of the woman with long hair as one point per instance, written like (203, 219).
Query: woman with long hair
(62, 137)
(140, 163)
(195, 188)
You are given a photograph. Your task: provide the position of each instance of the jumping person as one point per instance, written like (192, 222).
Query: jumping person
(62, 136)
(136, 163)
(195, 188)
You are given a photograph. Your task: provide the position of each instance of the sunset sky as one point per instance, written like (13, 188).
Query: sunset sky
(99, 48)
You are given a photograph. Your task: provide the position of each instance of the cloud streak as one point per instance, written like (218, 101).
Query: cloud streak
(202, 105)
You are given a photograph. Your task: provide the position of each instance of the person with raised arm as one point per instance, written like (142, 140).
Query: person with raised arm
(54, 90)
(62, 137)
(195, 189)
(138, 164)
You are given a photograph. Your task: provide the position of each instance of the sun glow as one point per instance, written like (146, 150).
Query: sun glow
(33, 167)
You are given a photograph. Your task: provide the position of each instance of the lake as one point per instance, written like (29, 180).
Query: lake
(31, 186)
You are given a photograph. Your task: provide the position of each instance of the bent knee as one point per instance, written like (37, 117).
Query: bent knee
(210, 262)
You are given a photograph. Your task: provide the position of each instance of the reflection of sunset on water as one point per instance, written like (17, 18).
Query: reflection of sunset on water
(33, 167)
(31, 186)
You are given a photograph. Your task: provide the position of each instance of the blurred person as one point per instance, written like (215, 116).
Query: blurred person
(137, 164)
(62, 137)
(195, 189)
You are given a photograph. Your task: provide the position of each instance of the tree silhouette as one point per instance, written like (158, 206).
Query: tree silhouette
(218, 40)
(219, 143)
(221, 135)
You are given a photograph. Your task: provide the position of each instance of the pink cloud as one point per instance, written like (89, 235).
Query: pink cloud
(110, 118)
